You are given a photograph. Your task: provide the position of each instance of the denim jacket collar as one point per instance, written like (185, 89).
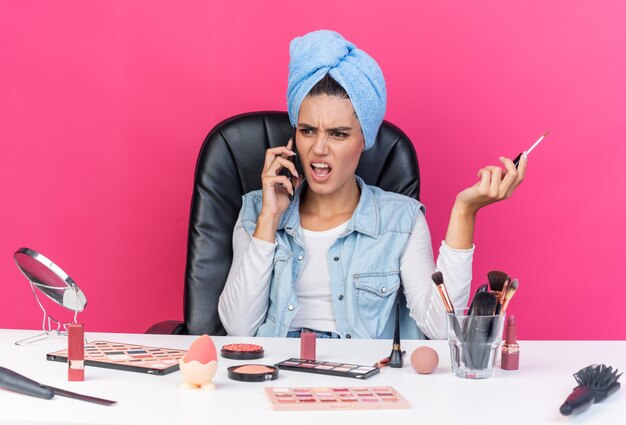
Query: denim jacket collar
(365, 219)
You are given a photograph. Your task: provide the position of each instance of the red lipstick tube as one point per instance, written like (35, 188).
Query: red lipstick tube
(510, 349)
(307, 345)
(75, 352)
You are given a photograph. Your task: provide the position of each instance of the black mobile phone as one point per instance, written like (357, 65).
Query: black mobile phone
(296, 162)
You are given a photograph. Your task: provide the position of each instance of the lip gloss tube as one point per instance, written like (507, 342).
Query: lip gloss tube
(75, 352)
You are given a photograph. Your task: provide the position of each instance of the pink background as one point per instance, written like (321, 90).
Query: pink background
(104, 106)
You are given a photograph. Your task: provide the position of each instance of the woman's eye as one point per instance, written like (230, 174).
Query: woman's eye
(340, 135)
(306, 131)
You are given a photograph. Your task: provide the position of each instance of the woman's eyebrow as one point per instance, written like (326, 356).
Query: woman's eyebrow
(339, 129)
(333, 129)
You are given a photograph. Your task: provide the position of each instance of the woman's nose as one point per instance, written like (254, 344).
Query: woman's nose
(320, 146)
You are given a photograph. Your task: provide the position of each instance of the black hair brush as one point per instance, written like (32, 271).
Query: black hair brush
(595, 383)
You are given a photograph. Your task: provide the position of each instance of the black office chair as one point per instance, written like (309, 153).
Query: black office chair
(229, 165)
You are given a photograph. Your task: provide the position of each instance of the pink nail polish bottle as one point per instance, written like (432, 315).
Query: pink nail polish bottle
(510, 348)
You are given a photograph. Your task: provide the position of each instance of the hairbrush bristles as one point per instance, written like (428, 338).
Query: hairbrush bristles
(595, 383)
(597, 377)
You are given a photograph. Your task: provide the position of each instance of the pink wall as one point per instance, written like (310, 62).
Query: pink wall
(104, 106)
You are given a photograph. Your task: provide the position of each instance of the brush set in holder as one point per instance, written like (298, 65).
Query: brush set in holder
(475, 333)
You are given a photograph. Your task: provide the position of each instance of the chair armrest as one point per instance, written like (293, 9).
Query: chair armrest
(170, 327)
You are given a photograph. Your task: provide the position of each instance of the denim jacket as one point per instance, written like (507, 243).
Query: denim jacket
(363, 264)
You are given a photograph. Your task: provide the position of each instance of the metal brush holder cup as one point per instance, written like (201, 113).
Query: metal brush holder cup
(47, 278)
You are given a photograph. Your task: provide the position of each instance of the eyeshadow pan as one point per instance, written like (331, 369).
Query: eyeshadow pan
(118, 357)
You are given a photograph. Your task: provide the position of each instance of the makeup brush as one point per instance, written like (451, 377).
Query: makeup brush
(385, 362)
(510, 291)
(498, 281)
(395, 358)
(477, 327)
(19, 383)
(481, 288)
(595, 383)
(443, 292)
(518, 157)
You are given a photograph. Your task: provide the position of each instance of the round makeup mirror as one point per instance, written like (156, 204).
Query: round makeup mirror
(49, 279)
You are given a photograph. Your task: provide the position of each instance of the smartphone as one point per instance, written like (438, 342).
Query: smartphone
(295, 160)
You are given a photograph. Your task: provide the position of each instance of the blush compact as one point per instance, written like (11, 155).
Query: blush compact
(253, 373)
(242, 351)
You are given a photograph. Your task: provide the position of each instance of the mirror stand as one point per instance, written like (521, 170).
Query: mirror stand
(47, 323)
(47, 278)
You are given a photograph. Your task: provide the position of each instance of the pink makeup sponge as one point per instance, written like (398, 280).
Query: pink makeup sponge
(201, 350)
(424, 360)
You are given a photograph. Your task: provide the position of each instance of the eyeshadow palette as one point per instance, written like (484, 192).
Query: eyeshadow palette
(324, 398)
(329, 368)
(131, 357)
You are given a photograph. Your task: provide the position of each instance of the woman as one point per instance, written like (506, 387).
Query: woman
(333, 259)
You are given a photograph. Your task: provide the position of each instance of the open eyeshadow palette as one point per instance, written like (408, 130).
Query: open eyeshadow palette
(328, 368)
(122, 356)
(324, 398)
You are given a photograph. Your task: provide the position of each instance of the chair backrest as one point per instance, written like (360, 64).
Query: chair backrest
(229, 165)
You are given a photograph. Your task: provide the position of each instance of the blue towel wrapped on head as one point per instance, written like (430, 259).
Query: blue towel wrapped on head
(326, 52)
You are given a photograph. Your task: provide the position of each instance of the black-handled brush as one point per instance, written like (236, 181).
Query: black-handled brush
(595, 383)
(19, 383)
(395, 358)
(481, 288)
(477, 326)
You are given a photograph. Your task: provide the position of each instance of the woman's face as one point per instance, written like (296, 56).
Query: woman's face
(329, 143)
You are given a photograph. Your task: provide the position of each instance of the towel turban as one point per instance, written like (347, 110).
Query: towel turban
(322, 52)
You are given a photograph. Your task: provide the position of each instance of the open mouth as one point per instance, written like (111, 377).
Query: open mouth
(321, 169)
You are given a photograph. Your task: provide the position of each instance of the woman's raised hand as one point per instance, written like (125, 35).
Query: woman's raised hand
(276, 189)
(495, 184)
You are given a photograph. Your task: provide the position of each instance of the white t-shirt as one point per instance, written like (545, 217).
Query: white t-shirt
(315, 305)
